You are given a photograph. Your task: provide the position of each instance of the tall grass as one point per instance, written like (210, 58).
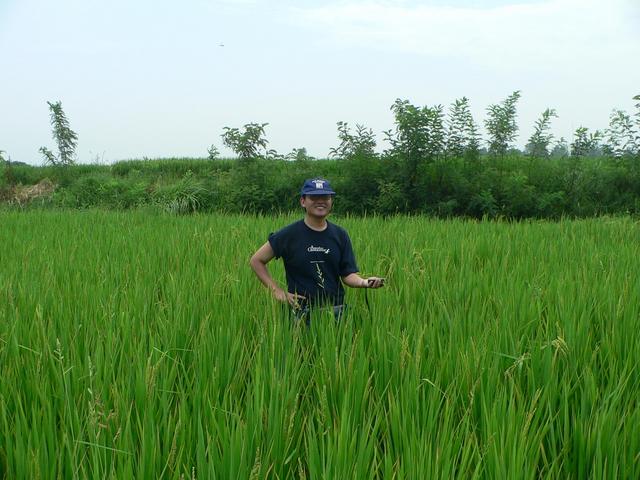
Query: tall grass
(135, 345)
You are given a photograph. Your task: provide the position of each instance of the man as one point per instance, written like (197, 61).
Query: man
(317, 256)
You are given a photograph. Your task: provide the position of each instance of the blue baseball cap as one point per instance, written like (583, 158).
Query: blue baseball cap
(317, 186)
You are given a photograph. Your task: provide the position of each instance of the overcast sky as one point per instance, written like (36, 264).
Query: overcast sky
(162, 78)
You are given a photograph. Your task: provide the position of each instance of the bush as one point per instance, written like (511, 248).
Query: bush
(100, 190)
(483, 205)
(390, 199)
(188, 195)
(359, 184)
(518, 196)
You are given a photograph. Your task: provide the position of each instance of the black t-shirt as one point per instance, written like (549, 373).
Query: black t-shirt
(314, 261)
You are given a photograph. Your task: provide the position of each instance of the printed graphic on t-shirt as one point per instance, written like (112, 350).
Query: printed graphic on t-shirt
(317, 270)
(314, 261)
(318, 249)
(320, 276)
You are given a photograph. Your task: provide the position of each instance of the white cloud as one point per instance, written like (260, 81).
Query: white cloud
(536, 36)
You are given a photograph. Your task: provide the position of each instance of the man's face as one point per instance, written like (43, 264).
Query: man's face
(317, 205)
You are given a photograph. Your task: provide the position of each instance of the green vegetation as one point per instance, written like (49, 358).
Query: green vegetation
(501, 124)
(135, 345)
(539, 142)
(513, 186)
(434, 165)
(66, 139)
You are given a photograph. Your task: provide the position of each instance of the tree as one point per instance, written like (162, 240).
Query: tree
(586, 144)
(538, 145)
(213, 152)
(66, 139)
(620, 135)
(360, 172)
(419, 139)
(299, 155)
(456, 125)
(636, 139)
(420, 132)
(637, 123)
(501, 124)
(463, 139)
(560, 149)
(623, 133)
(360, 144)
(249, 144)
(473, 150)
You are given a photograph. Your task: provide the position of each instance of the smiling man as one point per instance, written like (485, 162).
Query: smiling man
(318, 257)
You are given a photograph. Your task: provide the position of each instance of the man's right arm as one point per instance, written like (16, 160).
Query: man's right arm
(258, 263)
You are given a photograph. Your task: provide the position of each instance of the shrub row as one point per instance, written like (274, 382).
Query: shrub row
(511, 187)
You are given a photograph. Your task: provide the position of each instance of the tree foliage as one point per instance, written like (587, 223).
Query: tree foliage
(636, 117)
(501, 124)
(463, 139)
(420, 131)
(418, 140)
(361, 142)
(212, 152)
(560, 149)
(65, 138)
(49, 157)
(299, 155)
(538, 144)
(586, 144)
(622, 136)
(247, 144)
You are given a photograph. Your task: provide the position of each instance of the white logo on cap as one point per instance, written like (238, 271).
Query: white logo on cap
(319, 184)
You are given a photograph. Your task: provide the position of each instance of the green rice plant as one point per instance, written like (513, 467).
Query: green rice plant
(139, 345)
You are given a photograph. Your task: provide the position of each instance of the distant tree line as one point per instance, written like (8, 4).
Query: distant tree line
(424, 134)
(436, 163)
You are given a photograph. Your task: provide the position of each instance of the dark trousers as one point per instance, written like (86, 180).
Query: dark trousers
(304, 313)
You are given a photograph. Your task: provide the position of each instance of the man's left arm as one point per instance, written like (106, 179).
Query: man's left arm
(354, 280)
(349, 266)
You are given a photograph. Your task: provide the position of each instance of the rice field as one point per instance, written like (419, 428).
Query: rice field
(140, 345)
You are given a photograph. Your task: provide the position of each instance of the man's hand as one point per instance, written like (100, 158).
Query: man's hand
(374, 282)
(354, 280)
(292, 299)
